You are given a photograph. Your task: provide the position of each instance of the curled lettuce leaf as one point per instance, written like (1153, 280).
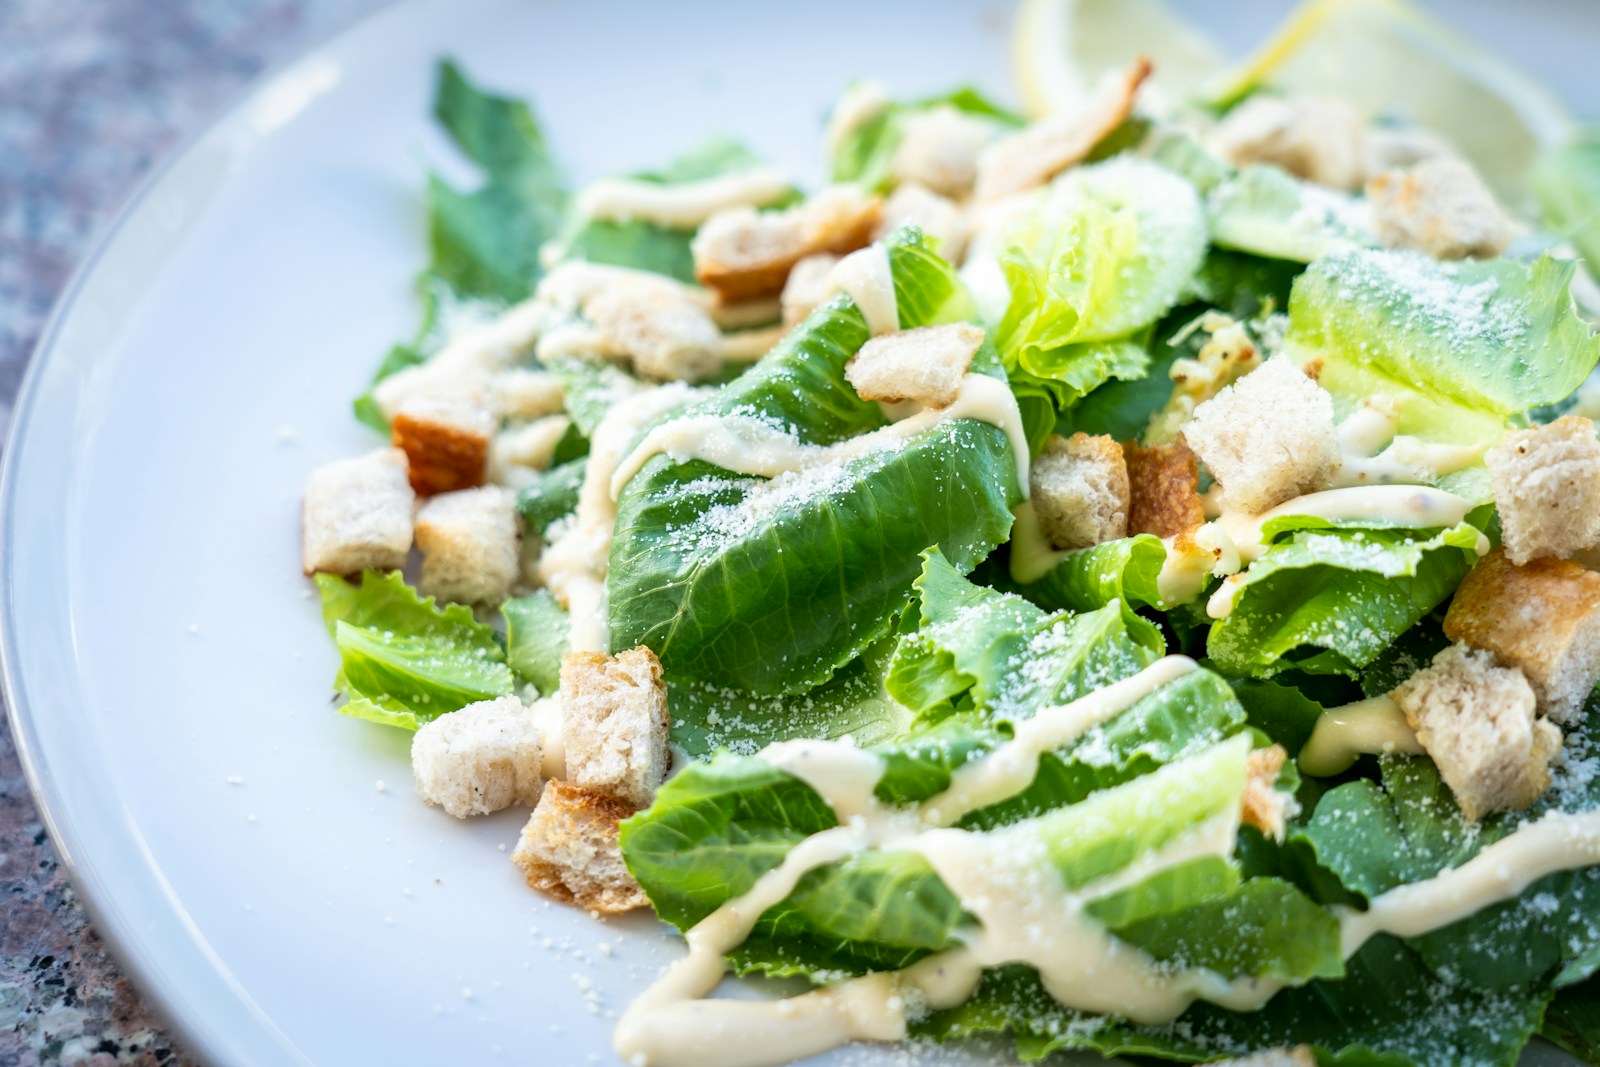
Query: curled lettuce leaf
(536, 638)
(403, 659)
(773, 590)
(1125, 570)
(1267, 212)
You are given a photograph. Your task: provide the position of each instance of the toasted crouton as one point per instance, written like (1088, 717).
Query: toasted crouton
(1163, 495)
(1440, 207)
(517, 453)
(469, 542)
(357, 514)
(1080, 490)
(744, 254)
(1262, 806)
(808, 286)
(1267, 437)
(939, 149)
(616, 723)
(1547, 488)
(938, 217)
(569, 851)
(482, 758)
(666, 336)
(1321, 139)
(925, 364)
(1477, 722)
(1298, 1056)
(445, 437)
(1542, 617)
(1030, 157)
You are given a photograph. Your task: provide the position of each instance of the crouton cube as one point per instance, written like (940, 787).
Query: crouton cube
(569, 850)
(1440, 207)
(1321, 139)
(1477, 722)
(357, 514)
(1262, 806)
(1030, 157)
(1542, 617)
(469, 542)
(1268, 437)
(808, 287)
(527, 394)
(1298, 1056)
(925, 365)
(665, 336)
(445, 437)
(936, 216)
(939, 149)
(1547, 488)
(744, 254)
(616, 723)
(482, 758)
(1163, 489)
(1080, 490)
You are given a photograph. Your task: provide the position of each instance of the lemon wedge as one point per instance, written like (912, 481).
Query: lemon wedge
(1060, 47)
(1390, 60)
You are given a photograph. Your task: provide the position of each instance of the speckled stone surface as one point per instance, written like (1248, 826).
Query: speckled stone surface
(92, 93)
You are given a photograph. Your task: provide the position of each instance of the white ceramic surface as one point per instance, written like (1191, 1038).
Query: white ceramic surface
(257, 861)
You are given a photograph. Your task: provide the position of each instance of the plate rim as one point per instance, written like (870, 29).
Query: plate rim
(199, 1037)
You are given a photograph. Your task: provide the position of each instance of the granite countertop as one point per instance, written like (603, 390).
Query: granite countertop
(91, 95)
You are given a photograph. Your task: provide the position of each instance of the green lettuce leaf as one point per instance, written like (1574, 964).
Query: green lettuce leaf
(536, 638)
(551, 495)
(403, 659)
(772, 586)
(1573, 1021)
(1267, 212)
(1122, 570)
(865, 156)
(1566, 182)
(1332, 600)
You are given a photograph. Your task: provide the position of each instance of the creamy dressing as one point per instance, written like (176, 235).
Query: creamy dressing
(748, 445)
(1368, 727)
(574, 565)
(681, 205)
(550, 715)
(1032, 555)
(747, 346)
(865, 275)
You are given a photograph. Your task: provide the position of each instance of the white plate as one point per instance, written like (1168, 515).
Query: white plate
(257, 861)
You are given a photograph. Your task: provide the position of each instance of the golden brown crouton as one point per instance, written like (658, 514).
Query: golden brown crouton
(1542, 617)
(1441, 207)
(1080, 490)
(616, 723)
(1547, 488)
(1030, 157)
(1163, 498)
(1262, 806)
(744, 254)
(569, 851)
(1477, 722)
(925, 364)
(446, 441)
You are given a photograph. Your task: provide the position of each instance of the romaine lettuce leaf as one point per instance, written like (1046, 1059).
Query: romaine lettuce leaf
(405, 660)
(1125, 569)
(536, 638)
(772, 586)
(1573, 1021)
(1332, 600)
(552, 494)
(1267, 212)
(1566, 182)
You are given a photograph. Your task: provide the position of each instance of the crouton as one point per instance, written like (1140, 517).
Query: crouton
(1321, 139)
(469, 542)
(445, 437)
(1542, 617)
(616, 723)
(744, 254)
(925, 364)
(482, 758)
(527, 394)
(1440, 207)
(1267, 437)
(1477, 722)
(1163, 494)
(1547, 488)
(1030, 157)
(1298, 1056)
(1080, 490)
(515, 454)
(1262, 806)
(808, 287)
(569, 851)
(936, 216)
(939, 149)
(664, 335)
(1388, 147)
(357, 514)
